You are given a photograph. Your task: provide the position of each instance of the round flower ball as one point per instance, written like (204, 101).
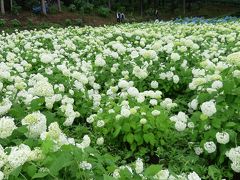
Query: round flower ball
(154, 84)
(222, 137)
(7, 126)
(208, 108)
(100, 141)
(210, 147)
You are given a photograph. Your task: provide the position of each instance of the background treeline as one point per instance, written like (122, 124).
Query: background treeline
(104, 7)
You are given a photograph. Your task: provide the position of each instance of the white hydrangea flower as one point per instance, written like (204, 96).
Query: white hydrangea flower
(3, 157)
(140, 73)
(18, 155)
(85, 143)
(46, 58)
(5, 106)
(236, 73)
(217, 84)
(176, 79)
(134, 54)
(198, 150)
(43, 88)
(100, 141)
(162, 175)
(180, 126)
(132, 91)
(235, 165)
(153, 102)
(175, 57)
(155, 112)
(36, 124)
(1, 175)
(154, 84)
(208, 108)
(234, 58)
(85, 165)
(7, 126)
(222, 137)
(143, 121)
(125, 112)
(99, 61)
(139, 166)
(193, 104)
(210, 147)
(100, 123)
(193, 176)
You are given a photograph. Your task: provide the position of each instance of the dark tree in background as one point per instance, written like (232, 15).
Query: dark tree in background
(2, 7)
(141, 7)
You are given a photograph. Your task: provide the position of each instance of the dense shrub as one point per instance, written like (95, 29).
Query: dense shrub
(15, 23)
(104, 12)
(2, 22)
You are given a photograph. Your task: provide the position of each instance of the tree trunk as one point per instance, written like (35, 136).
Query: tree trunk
(44, 11)
(141, 7)
(184, 7)
(59, 5)
(109, 4)
(11, 4)
(2, 7)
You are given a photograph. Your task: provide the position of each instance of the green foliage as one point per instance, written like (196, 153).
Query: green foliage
(16, 8)
(68, 22)
(72, 8)
(53, 9)
(2, 22)
(83, 6)
(15, 23)
(104, 12)
(78, 22)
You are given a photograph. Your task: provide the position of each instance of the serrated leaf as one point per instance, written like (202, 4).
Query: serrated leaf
(31, 170)
(130, 138)
(152, 170)
(40, 175)
(16, 172)
(116, 132)
(214, 172)
(36, 104)
(17, 111)
(216, 123)
(106, 177)
(60, 162)
(149, 138)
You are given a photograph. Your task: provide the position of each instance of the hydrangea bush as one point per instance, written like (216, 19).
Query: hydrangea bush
(134, 101)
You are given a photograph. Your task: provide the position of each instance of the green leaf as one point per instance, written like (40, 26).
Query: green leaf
(126, 127)
(50, 117)
(228, 86)
(230, 124)
(152, 170)
(22, 129)
(214, 172)
(216, 122)
(138, 138)
(117, 131)
(47, 146)
(40, 175)
(17, 111)
(130, 138)
(61, 161)
(16, 172)
(36, 104)
(31, 170)
(106, 177)
(149, 138)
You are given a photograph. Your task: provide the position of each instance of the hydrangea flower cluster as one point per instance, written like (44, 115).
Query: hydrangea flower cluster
(126, 96)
